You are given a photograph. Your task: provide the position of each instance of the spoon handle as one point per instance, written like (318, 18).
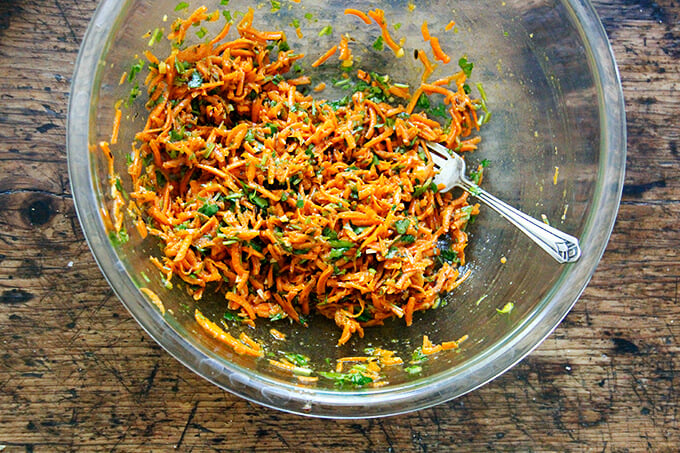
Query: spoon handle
(561, 246)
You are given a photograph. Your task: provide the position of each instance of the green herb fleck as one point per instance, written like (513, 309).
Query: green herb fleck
(440, 110)
(330, 234)
(378, 44)
(277, 316)
(507, 308)
(391, 252)
(230, 316)
(327, 30)
(347, 379)
(408, 239)
(466, 66)
(259, 201)
(181, 66)
(297, 359)
(209, 209)
(423, 102)
(119, 238)
(181, 5)
(134, 70)
(450, 256)
(208, 150)
(177, 135)
(402, 225)
(156, 36)
(134, 93)
(418, 357)
(413, 369)
(341, 243)
(196, 80)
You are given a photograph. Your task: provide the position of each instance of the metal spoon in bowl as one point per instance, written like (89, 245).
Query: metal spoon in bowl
(561, 246)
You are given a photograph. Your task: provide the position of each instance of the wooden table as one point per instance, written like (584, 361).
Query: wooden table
(77, 372)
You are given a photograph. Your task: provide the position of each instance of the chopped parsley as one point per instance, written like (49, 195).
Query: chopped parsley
(120, 238)
(297, 359)
(423, 102)
(230, 316)
(418, 357)
(156, 36)
(450, 256)
(413, 369)
(277, 316)
(402, 225)
(339, 243)
(355, 379)
(327, 30)
(466, 66)
(134, 93)
(209, 209)
(408, 239)
(195, 81)
(181, 5)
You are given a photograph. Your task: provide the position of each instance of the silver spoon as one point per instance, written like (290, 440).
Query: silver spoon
(561, 246)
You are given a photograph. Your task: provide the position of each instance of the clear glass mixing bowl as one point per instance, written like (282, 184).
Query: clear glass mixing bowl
(556, 99)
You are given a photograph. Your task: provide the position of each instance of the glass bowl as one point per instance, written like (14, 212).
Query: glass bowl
(556, 147)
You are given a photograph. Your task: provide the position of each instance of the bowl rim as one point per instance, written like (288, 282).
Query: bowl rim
(493, 362)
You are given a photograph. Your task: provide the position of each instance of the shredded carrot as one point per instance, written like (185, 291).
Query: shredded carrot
(345, 52)
(378, 15)
(277, 334)
(449, 26)
(225, 337)
(153, 297)
(116, 125)
(325, 56)
(429, 68)
(424, 30)
(320, 87)
(360, 14)
(293, 206)
(438, 52)
(430, 348)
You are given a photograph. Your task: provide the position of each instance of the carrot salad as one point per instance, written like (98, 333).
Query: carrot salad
(291, 205)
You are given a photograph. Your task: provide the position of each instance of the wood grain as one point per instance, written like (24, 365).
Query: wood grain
(77, 372)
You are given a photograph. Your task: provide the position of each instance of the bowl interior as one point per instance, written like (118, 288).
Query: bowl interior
(547, 148)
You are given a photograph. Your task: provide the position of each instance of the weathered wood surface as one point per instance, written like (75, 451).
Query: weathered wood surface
(76, 372)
